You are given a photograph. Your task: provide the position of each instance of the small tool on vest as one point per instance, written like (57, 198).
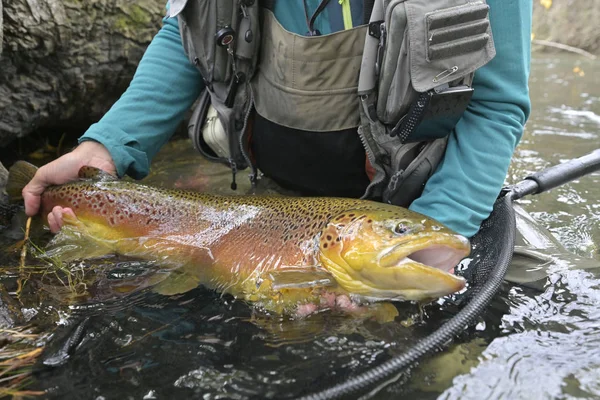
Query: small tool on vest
(246, 22)
(225, 37)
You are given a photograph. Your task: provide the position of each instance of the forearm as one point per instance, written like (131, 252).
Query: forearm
(462, 191)
(163, 88)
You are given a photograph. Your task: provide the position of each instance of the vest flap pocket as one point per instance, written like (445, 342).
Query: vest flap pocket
(395, 91)
(175, 7)
(447, 43)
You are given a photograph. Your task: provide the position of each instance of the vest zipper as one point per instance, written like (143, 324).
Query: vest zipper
(346, 13)
(253, 174)
(380, 174)
(370, 147)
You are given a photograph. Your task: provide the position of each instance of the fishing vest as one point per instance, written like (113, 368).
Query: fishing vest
(403, 79)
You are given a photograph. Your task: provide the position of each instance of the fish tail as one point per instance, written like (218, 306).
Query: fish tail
(3, 176)
(19, 176)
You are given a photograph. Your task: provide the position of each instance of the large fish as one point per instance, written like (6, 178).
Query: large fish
(289, 254)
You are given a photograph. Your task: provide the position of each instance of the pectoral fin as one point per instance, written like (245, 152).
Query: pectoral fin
(73, 242)
(176, 283)
(299, 278)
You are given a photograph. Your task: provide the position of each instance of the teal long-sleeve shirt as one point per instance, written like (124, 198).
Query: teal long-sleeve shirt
(460, 194)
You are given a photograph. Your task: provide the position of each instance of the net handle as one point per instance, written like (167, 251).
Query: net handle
(557, 175)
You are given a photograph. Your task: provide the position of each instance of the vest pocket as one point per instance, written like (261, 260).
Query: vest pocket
(427, 44)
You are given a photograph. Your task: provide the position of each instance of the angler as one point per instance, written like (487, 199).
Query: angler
(402, 102)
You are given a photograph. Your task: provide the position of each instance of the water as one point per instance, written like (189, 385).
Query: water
(535, 341)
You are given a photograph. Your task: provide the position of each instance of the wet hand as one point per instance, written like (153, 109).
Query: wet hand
(62, 170)
(55, 218)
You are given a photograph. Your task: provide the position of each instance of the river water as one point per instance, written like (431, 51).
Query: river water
(538, 340)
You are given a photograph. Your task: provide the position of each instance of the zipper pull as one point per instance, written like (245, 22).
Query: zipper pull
(253, 178)
(233, 173)
(237, 79)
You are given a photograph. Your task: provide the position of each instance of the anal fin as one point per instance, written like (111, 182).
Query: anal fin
(176, 283)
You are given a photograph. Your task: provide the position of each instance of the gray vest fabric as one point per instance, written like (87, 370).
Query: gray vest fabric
(308, 83)
(409, 70)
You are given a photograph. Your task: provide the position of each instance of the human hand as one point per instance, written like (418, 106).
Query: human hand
(62, 170)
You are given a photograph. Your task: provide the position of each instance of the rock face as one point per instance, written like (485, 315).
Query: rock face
(66, 61)
(1, 30)
(570, 22)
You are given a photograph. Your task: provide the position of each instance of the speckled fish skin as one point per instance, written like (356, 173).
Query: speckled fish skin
(234, 243)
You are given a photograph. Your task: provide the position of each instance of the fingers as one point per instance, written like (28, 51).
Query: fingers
(65, 169)
(55, 219)
(32, 191)
(52, 224)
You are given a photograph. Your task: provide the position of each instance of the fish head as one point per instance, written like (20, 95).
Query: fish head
(389, 252)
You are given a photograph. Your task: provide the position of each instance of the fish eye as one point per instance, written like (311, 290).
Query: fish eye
(401, 228)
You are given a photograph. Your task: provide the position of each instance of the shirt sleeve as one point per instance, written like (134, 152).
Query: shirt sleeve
(164, 87)
(462, 191)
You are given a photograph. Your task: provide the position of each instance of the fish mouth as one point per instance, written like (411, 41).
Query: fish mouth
(441, 257)
(440, 253)
(419, 270)
(416, 270)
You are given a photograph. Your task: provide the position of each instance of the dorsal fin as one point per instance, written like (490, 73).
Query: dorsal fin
(96, 174)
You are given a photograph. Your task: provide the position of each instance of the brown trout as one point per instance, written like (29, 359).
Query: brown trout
(284, 253)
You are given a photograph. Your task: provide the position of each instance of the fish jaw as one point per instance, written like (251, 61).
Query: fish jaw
(368, 259)
(407, 280)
